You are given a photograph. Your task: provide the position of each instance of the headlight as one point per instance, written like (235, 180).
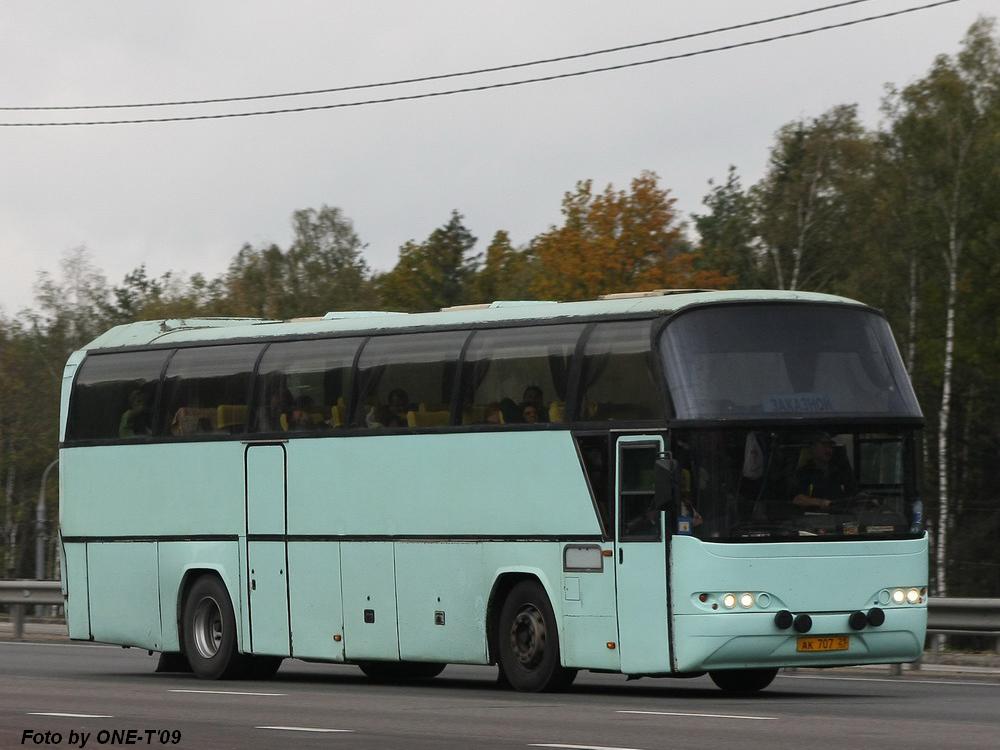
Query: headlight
(729, 601)
(913, 596)
(746, 600)
(898, 596)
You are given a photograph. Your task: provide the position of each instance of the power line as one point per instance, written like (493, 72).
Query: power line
(440, 76)
(486, 87)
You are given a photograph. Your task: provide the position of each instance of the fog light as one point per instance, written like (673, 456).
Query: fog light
(875, 617)
(729, 601)
(746, 600)
(803, 623)
(783, 620)
(898, 597)
(857, 620)
(913, 596)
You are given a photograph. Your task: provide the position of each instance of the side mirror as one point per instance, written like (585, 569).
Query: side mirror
(663, 487)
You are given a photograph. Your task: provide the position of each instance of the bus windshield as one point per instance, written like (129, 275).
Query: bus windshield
(781, 361)
(796, 484)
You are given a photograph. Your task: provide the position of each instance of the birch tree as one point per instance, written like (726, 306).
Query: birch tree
(945, 126)
(800, 202)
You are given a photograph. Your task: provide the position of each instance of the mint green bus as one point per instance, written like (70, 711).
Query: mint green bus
(657, 484)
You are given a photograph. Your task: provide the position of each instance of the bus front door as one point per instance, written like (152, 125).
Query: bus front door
(641, 548)
(266, 553)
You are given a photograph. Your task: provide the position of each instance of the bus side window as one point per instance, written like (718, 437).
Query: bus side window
(203, 383)
(312, 379)
(115, 396)
(406, 381)
(518, 371)
(617, 380)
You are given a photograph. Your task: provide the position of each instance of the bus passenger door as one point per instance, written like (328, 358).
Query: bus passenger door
(641, 559)
(267, 560)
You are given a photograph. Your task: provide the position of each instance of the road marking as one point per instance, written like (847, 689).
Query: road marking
(704, 716)
(307, 729)
(581, 747)
(223, 692)
(70, 716)
(895, 681)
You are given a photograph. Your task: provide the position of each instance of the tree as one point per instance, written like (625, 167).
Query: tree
(506, 272)
(801, 202)
(322, 270)
(432, 274)
(945, 125)
(616, 241)
(728, 240)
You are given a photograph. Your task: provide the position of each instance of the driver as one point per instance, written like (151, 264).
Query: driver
(820, 482)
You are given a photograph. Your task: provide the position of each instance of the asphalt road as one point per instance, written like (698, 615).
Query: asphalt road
(106, 688)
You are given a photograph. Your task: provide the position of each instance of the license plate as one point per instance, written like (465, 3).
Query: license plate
(815, 644)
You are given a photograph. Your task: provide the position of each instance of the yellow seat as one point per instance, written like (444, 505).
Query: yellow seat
(557, 411)
(230, 415)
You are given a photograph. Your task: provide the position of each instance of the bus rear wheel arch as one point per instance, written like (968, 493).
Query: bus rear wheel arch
(742, 680)
(528, 641)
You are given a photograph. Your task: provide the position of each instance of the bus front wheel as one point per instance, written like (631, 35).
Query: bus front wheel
(209, 628)
(743, 680)
(528, 642)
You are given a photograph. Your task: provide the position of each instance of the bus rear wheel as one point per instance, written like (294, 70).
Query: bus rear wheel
(528, 642)
(743, 680)
(209, 628)
(400, 671)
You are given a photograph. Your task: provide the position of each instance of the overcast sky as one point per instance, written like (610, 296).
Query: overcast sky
(185, 196)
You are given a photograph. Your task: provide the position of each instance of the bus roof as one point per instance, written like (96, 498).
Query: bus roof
(162, 332)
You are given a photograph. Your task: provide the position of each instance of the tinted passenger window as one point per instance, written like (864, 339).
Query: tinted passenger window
(407, 380)
(206, 390)
(518, 375)
(305, 385)
(617, 379)
(115, 396)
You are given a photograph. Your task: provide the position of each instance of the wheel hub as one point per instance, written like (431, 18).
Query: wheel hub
(527, 636)
(208, 629)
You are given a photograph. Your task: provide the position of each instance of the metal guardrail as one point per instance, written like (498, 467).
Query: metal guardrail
(19, 595)
(961, 616)
(950, 616)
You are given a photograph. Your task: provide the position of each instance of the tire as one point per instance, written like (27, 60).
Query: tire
(528, 642)
(743, 680)
(260, 667)
(400, 671)
(209, 629)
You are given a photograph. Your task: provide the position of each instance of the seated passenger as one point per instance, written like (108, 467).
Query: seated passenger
(280, 403)
(393, 414)
(820, 482)
(533, 395)
(511, 412)
(300, 415)
(136, 420)
(493, 414)
(529, 413)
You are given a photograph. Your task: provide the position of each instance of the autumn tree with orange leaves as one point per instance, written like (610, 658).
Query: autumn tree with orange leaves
(617, 241)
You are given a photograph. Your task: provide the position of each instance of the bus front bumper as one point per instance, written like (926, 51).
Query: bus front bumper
(749, 640)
